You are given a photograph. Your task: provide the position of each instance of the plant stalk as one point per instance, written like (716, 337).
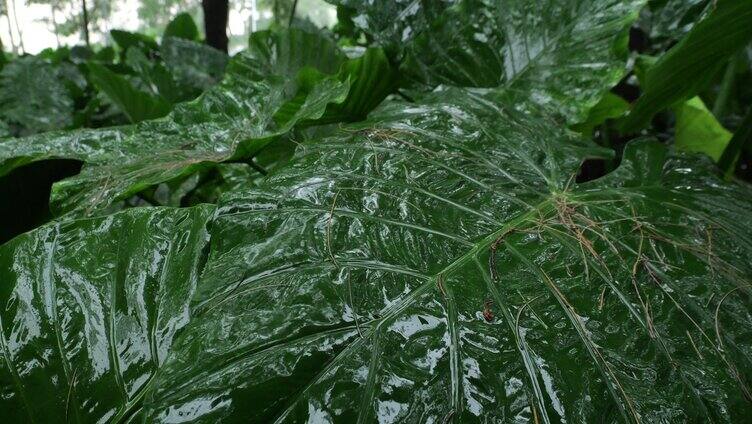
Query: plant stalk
(292, 12)
(85, 23)
(724, 93)
(55, 25)
(18, 27)
(10, 28)
(742, 137)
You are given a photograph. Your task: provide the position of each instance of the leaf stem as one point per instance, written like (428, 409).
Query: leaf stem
(742, 136)
(724, 93)
(292, 12)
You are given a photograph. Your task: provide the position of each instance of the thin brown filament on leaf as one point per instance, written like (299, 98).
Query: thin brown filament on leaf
(576, 320)
(329, 229)
(440, 284)
(602, 298)
(645, 307)
(692, 341)
(70, 392)
(717, 322)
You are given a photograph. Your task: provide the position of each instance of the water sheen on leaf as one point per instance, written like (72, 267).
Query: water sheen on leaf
(398, 273)
(434, 263)
(233, 120)
(90, 309)
(562, 53)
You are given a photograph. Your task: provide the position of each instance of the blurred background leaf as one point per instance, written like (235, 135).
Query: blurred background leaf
(690, 66)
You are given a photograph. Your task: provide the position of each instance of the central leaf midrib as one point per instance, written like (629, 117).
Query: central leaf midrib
(539, 210)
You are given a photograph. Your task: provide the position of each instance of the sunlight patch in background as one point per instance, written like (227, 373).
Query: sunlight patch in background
(32, 25)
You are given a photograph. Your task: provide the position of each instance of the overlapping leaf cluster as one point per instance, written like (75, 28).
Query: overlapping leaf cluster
(435, 260)
(72, 88)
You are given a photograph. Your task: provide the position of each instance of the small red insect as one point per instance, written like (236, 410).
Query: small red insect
(487, 312)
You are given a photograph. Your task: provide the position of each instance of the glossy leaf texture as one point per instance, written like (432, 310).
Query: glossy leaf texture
(90, 309)
(434, 263)
(371, 78)
(395, 273)
(563, 53)
(437, 264)
(231, 121)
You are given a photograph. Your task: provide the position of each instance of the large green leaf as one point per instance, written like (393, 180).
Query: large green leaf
(194, 66)
(437, 265)
(285, 53)
(137, 105)
(697, 130)
(126, 40)
(231, 121)
(564, 53)
(610, 106)
(371, 78)
(33, 96)
(182, 26)
(433, 264)
(92, 311)
(155, 78)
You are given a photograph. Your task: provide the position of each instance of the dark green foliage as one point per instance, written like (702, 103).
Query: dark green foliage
(137, 105)
(689, 66)
(472, 43)
(666, 21)
(182, 26)
(77, 87)
(741, 139)
(125, 40)
(34, 96)
(399, 232)
(331, 270)
(227, 123)
(194, 67)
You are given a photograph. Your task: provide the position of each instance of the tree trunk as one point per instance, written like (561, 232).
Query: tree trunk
(216, 13)
(85, 22)
(55, 26)
(254, 13)
(18, 27)
(292, 12)
(10, 28)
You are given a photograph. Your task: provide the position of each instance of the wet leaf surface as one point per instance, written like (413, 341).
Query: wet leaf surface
(436, 262)
(394, 273)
